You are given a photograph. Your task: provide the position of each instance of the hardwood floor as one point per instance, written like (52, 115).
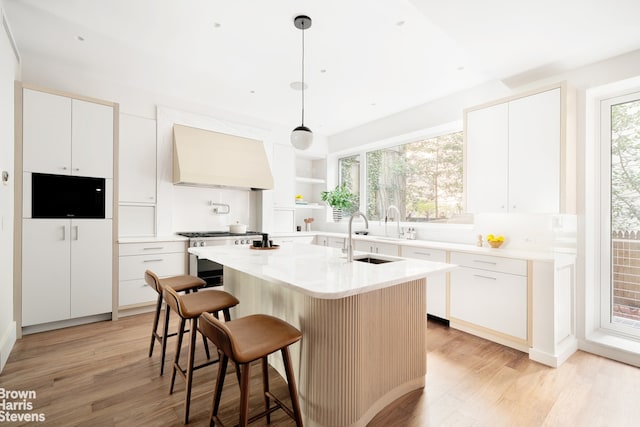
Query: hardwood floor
(100, 375)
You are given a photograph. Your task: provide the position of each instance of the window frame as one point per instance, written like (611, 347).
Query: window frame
(333, 171)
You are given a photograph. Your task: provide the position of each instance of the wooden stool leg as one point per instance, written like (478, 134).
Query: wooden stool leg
(265, 387)
(244, 394)
(165, 333)
(176, 359)
(193, 331)
(154, 331)
(222, 371)
(293, 392)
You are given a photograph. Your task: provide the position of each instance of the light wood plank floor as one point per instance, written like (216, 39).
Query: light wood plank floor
(100, 375)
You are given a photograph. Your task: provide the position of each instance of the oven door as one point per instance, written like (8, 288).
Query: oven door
(209, 271)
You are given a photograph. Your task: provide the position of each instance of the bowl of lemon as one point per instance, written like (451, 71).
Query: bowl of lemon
(495, 241)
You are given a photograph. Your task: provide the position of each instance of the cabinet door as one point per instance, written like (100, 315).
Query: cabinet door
(91, 266)
(436, 283)
(46, 132)
(46, 260)
(91, 139)
(137, 160)
(283, 167)
(486, 172)
(534, 153)
(492, 300)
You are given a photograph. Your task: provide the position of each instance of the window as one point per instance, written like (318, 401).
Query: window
(620, 173)
(349, 174)
(422, 179)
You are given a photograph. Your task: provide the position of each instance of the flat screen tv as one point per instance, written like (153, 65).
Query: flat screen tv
(67, 196)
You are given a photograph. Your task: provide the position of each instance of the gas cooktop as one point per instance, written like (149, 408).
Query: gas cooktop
(201, 234)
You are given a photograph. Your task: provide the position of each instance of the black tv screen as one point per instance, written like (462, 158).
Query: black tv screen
(67, 196)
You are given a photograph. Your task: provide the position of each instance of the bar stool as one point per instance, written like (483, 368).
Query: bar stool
(243, 341)
(190, 307)
(183, 283)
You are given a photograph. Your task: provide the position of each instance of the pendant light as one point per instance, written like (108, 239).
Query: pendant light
(301, 137)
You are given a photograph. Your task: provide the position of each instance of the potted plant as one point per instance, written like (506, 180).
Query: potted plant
(339, 199)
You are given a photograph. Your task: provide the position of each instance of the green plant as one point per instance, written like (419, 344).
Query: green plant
(339, 198)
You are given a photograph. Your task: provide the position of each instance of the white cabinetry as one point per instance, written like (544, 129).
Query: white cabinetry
(66, 269)
(489, 295)
(331, 241)
(66, 136)
(164, 258)
(519, 157)
(293, 239)
(137, 164)
(283, 168)
(436, 283)
(376, 247)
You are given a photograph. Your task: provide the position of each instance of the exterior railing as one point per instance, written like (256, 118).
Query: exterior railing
(625, 264)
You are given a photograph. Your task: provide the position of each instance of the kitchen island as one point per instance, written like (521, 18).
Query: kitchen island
(363, 325)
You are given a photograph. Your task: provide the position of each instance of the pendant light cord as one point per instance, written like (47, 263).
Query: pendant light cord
(303, 27)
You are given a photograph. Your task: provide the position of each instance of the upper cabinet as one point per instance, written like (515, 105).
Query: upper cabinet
(283, 170)
(520, 157)
(66, 136)
(137, 160)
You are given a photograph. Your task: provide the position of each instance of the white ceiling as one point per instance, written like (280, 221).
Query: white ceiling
(364, 59)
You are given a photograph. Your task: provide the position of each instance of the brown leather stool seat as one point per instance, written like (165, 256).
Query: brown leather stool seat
(182, 283)
(190, 307)
(243, 341)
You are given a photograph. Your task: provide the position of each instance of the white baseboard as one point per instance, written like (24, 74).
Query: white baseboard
(554, 360)
(7, 341)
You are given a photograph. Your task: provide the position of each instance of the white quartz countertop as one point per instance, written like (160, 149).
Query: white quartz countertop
(319, 271)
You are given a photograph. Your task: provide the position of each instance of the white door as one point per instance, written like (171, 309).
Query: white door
(46, 132)
(92, 139)
(46, 261)
(137, 164)
(534, 153)
(91, 267)
(487, 148)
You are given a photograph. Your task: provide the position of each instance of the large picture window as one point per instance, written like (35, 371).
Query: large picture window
(423, 179)
(349, 174)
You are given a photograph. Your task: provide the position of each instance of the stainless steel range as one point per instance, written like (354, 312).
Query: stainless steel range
(210, 271)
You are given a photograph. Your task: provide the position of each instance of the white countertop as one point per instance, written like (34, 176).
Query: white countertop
(505, 252)
(319, 271)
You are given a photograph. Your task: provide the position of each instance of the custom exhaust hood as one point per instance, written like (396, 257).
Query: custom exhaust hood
(207, 158)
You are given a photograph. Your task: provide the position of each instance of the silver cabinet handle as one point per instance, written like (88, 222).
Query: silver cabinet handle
(484, 277)
(422, 253)
(77, 232)
(153, 248)
(484, 262)
(64, 168)
(153, 260)
(64, 232)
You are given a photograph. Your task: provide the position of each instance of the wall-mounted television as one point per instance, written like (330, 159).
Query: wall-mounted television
(67, 196)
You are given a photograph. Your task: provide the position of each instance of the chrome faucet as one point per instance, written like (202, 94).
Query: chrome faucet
(386, 217)
(350, 237)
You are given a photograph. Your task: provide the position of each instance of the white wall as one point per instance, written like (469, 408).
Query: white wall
(9, 71)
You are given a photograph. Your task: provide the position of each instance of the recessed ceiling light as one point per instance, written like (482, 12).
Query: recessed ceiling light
(324, 70)
(373, 104)
(80, 38)
(252, 91)
(217, 25)
(460, 68)
(400, 23)
(298, 86)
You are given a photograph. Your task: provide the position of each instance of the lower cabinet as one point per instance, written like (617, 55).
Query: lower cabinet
(490, 295)
(436, 283)
(165, 258)
(66, 269)
(376, 247)
(333, 242)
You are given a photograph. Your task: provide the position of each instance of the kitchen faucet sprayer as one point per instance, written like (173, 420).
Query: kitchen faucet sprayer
(350, 237)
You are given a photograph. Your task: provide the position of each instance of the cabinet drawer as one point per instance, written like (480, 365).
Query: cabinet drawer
(135, 292)
(152, 248)
(335, 242)
(491, 263)
(426, 254)
(133, 267)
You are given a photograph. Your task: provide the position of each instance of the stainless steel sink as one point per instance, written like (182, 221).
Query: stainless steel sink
(372, 260)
